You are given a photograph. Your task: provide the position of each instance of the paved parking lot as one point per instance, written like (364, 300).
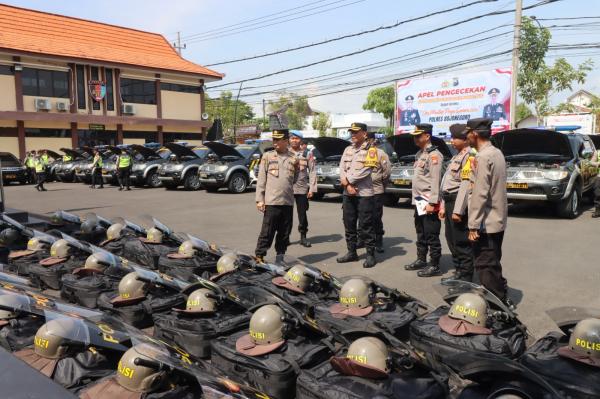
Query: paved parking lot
(549, 262)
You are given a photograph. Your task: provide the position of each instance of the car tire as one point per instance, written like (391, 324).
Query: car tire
(238, 183)
(152, 180)
(569, 207)
(318, 196)
(191, 181)
(390, 199)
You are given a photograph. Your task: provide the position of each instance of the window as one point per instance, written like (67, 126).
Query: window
(180, 88)
(149, 137)
(110, 98)
(138, 91)
(94, 73)
(6, 70)
(31, 132)
(45, 83)
(81, 100)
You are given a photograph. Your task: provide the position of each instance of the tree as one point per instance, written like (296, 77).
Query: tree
(321, 122)
(223, 107)
(536, 81)
(523, 111)
(296, 109)
(383, 101)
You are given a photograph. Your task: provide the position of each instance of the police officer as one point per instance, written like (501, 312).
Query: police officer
(40, 173)
(409, 116)
(356, 167)
(380, 176)
(488, 208)
(124, 169)
(97, 164)
(67, 158)
(45, 157)
(306, 183)
(30, 164)
(277, 175)
(596, 163)
(494, 111)
(426, 198)
(455, 191)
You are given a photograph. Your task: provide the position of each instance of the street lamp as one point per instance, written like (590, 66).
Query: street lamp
(533, 17)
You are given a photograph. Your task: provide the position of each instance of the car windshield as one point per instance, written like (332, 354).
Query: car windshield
(245, 150)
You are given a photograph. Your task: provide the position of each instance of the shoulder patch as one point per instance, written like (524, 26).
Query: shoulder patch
(435, 159)
(371, 160)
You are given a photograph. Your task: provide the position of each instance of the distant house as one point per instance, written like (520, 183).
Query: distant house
(581, 100)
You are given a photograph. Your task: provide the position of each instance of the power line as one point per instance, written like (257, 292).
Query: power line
(541, 3)
(238, 31)
(364, 32)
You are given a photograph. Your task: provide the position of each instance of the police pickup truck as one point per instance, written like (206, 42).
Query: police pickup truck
(181, 167)
(328, 153)
(548, 166)
(405, 150)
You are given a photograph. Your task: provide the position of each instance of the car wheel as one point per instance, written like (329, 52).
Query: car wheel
(191, 182)
(237, 183)
(390, 199)
(318, 196)
(153, 181)
(569, 207)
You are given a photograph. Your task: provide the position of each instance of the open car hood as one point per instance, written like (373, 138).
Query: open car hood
(404, 145)
(330, 146)
(145, 152)
(596, 140)
(532, 141)
(73, 153)
(53, 154)
(223, 150)
(180, 150)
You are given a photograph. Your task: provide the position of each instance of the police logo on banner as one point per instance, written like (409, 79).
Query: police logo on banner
(97, 89)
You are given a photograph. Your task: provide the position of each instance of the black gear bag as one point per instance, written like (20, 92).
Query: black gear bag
(85, 290)
(274, 373)
(44, 277)
(507, 339)
(144, 254)
(571, 378)
(19, 333)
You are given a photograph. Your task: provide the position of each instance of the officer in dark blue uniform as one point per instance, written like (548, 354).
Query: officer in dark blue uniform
(494, 110)
(409, 116)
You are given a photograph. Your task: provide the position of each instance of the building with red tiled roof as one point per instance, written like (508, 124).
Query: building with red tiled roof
(68, 82)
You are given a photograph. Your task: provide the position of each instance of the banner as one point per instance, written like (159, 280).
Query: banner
(446, 100)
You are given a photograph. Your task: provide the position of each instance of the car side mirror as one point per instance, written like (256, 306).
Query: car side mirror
(587, 154)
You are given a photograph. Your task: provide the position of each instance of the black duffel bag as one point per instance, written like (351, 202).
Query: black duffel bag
(139, 314)
(507, 339)
(44, 277)
(194, 333)
(146, 254)
(20, 265)
(117, 245)
(19, 332)
(185, 269)
(571, 378)
(323, 382)
(275, 373)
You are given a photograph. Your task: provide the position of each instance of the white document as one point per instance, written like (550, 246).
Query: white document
(421, 203)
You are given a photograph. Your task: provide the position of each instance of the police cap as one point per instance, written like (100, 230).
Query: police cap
(357, 127)
(482, 126)
(458, 131)
(422, 128)
(409, 98)
(280, 134)
(494, 91)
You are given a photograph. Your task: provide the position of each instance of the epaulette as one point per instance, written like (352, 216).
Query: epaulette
(432, 148)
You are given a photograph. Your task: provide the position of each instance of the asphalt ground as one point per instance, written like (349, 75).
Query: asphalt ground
(549, 262)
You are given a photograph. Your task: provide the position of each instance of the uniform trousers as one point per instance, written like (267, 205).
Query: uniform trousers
(428, 228)
(41, 178)
(302, 206)
(97, 177)
(359, 210)
(457, 238)
(123, 176)
(277, 221)
(597, 193)
(487, 251)
(378, 214)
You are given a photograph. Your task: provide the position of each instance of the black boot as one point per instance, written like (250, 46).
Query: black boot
(459, 274)
(379, 244)
(303, 241)
(433, 269)
(596, 213)
(416, 265)
(360, 243)
(351, 256)
(279, 259)
(370, 261)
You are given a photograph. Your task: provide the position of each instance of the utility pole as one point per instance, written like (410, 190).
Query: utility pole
(177, 45)
(237, 100)
(264, 116)
(2, 200)
(515, 62)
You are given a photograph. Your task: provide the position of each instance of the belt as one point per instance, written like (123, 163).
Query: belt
(449, 196)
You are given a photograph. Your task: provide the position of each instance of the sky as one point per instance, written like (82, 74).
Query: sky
(218, 30)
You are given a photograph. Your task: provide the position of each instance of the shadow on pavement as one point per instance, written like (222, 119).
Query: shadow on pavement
(542, 210)
(325, 238)
(393, 248)
(515, 294)
(316, 258)
(82, 209)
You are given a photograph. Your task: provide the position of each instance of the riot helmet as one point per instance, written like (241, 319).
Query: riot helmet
(114, 232)
(226, 264)
(8, 236)
(467, 315)
(153, 236)
(131, 289)
(35, 244)
(296, 279)
(367, 357)
(200, 301)
(88, 226)
(265, 333)
(60, 249)
(95, 263)
(138, 378)
(584, 343)
(186, 251)
(355, 299)
(51, 339)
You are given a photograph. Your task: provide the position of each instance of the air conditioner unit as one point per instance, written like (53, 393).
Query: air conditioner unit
(42, 104)
(62, 106)
(128, 109)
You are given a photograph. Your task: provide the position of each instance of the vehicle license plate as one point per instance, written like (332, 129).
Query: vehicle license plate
(522, 186)
(402, 182)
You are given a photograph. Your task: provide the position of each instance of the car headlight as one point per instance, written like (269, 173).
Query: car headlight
(68, 166)
(139, 166)
(221, 168)
(555, 174)
(335, 171)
